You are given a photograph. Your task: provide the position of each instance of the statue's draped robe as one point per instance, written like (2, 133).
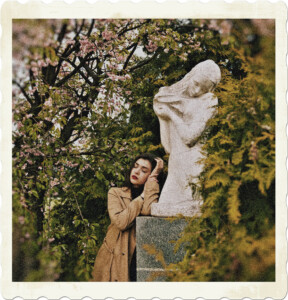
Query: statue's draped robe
(182, 122)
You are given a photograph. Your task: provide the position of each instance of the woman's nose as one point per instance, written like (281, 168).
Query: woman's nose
(137, 171)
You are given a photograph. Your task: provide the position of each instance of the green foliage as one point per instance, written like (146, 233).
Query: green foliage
(234, 239)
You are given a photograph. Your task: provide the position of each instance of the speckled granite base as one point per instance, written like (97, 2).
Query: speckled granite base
(187, 209)
(157, 232)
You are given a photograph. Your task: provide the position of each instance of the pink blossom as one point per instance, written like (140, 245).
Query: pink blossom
(121, 58)
(70, 42)
(35, 71)
(107, 35)
(151, 47)
(112, 76)
(54, 182)
(49, 102)
(213, 25)
(21, 220)
(50, 240)
(86, 46)
(226, 27)
(23, 203)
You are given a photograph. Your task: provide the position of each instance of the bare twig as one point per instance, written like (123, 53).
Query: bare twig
(131, 28)
(144, 62)
(79, 209)
(23, 92)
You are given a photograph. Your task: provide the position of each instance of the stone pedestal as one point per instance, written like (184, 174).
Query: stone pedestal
(186, 208)
(158, 233)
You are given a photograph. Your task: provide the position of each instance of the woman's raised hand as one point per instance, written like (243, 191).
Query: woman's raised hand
(158, 168)
(153, 176)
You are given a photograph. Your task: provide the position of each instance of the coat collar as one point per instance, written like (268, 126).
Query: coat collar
(125, 193)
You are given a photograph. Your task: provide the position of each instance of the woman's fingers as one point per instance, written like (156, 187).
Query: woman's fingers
(152, 178)
(158, 168)
(160, 164)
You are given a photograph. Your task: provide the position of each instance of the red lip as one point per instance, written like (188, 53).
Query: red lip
(134, 177)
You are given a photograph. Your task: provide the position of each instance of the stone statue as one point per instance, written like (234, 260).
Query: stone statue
(184, 109)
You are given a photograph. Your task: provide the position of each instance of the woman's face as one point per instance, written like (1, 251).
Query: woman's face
(140, 172)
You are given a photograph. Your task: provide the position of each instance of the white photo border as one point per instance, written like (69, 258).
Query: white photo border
(145, 9)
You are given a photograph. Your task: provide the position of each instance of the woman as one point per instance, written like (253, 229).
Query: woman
(116, 259)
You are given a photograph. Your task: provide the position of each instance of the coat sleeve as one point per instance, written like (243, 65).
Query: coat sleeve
(123, 217)
(151, 195)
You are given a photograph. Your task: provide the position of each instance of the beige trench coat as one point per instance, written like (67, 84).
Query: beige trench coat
(114, 257)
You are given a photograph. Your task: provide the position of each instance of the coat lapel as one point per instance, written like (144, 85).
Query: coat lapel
(125, 195)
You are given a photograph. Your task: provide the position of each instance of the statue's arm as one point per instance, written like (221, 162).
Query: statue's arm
(192, 125)
(165, 134)
(165, 112)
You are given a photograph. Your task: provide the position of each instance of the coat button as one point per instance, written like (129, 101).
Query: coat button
(123, 253)
(116, 280)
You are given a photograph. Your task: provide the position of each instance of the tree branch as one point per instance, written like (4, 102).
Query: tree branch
(135, 27)
(80, 72)
(61, 36)
(81, 27)
(74, 154)
(144, 62)
(61, 82)
(91, 27)
(130, 55)
(89, 71)
(23, 92)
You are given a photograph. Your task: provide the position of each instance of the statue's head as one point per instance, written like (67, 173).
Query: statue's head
(203, 78)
